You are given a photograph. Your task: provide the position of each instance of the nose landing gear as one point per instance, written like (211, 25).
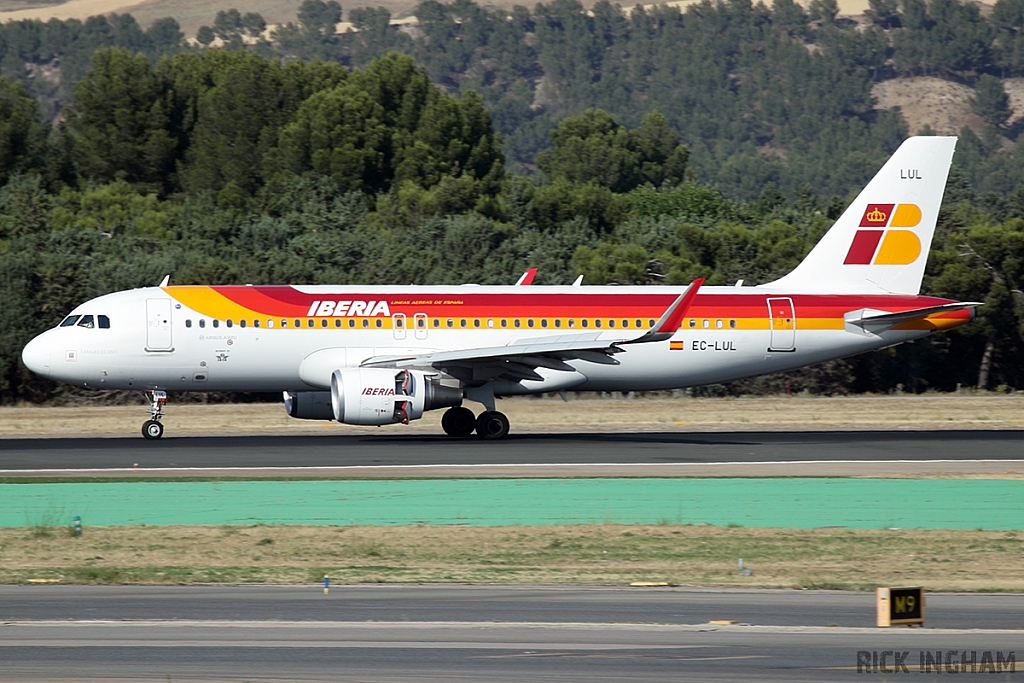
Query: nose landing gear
(153, 429)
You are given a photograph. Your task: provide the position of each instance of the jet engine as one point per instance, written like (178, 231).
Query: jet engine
(309, 405)
(379, 396)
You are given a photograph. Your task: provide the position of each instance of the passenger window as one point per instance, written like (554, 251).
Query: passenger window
(298, 323)
(380, 323)
(611, 323)
(351, 322)
(242, 323)
(693, 323)
(718, 324)
(529, 323)
(87, 321)
(516, 323)
(398, 322)
(544, 322)
(188, 323)
(490, 322)
(323, 322)
(70, 320)
(639, 323)
(437, 322)
(504, 323)
(337, 322)
(706, 323)
(572, 323)
(450, 323)
(476, 322)
(256, 322)
(625, 323)
(732, 324)
(366, 322)
(284, 323)
(202, 321)
(310, 323)
(216, 323)
(270, 323)
(597, 323)
(585, 322)
(650, 323)
(421, 323)
(462, 322)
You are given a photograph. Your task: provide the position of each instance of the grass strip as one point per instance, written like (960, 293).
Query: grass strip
(958, 560)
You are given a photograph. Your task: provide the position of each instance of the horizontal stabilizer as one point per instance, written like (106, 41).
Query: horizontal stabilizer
(867, 317)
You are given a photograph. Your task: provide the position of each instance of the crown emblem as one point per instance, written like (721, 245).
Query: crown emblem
(876, 216)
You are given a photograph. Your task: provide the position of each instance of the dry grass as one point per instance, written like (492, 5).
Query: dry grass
(552, 415)
(603, 554)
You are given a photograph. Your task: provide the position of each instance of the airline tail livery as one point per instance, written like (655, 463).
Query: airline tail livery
(366, 355)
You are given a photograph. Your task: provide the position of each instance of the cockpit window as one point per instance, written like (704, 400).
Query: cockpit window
(87, 321)
(104, 322)
(70, 320)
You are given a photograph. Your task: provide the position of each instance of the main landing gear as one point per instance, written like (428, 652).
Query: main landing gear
(153, 429)
(460, 422)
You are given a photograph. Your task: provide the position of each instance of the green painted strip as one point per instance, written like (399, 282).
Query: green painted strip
(796, 503)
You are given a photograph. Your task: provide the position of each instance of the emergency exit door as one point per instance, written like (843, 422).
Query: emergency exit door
(782, 319)
(158, 325)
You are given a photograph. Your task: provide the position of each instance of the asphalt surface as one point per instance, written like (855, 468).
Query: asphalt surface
(580, 448)
(495, 603)
(432, 633)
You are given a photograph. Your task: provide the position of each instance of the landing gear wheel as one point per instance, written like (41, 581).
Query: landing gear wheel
(492, 425)
(458, 421)
(152, 429)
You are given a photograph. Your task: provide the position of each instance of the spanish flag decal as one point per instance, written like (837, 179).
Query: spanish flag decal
(675, 346)
(898, 247)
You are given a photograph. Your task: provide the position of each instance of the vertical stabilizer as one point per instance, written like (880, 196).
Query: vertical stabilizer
(880, 244)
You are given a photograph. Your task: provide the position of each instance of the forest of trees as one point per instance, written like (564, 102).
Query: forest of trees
(647, 148)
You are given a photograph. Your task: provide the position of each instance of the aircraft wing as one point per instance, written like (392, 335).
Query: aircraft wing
(519, 359)
(873, 318)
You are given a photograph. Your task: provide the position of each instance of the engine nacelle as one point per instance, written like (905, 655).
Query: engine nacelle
(380, 396)
(309, 405)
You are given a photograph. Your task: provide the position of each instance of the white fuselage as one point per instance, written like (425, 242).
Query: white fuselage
(185, 351)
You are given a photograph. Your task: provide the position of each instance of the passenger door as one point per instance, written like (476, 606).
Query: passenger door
(782, 318)
(158, 325)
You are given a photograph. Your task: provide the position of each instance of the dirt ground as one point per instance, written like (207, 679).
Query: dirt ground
(553, 415)
(601, 554)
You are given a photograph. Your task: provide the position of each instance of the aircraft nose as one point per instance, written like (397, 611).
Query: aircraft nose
(36, 356)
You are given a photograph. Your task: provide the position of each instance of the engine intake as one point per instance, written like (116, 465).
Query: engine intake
(379, 396)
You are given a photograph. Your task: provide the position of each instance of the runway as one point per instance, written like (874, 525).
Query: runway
(434, 633)
(582, 454)
(522, 604)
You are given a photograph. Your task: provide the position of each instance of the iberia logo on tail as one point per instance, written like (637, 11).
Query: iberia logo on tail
(898, 247)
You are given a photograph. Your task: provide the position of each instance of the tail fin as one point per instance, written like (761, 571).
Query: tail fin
(880, 244)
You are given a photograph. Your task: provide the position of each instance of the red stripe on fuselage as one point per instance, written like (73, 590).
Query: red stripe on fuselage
(288, 302)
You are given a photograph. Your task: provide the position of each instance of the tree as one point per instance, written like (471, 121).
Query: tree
(205, 36)
(254, 24)
(990, 100)
(21, 134)
(318, 17)
(595, 147)
(227, 24)
(884, 13)
(118, 122)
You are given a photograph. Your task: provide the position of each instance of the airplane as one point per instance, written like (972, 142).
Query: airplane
(379, 355)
